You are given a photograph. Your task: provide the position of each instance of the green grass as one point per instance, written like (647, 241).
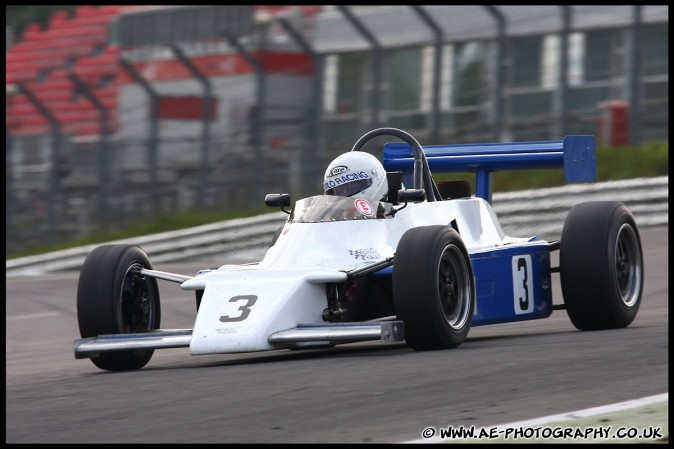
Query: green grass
(161, 223)
(612, 164)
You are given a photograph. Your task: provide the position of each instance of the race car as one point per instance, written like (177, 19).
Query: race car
(421, 267)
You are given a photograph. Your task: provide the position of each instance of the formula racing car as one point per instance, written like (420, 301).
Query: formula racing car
(422, 266)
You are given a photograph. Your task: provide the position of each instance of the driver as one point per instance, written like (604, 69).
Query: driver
(357, 174)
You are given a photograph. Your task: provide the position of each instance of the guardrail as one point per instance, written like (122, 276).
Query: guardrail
(529, 212)
(224, 237)
(542, 211)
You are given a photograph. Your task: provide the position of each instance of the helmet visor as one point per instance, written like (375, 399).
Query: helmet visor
(350, 188)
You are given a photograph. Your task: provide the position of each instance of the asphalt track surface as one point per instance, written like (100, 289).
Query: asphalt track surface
(356, 393)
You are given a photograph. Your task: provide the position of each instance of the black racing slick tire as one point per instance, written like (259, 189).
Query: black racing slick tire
(433, 287)
(114, 298)
(601, 265)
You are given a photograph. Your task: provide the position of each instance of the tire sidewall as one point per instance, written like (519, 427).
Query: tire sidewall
(416, 287)
(99, 303)
(588, 265)
(99, 289)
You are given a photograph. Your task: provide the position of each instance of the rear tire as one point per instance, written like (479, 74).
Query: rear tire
(113, 298)
(433, 287)
(601, 265)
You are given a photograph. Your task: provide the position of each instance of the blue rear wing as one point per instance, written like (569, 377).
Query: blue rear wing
(576, 154)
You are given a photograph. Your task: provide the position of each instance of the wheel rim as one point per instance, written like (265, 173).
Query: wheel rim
(454, 287)
(136, 296)
(628, 265)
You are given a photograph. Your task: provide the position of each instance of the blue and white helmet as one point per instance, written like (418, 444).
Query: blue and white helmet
(357, 174)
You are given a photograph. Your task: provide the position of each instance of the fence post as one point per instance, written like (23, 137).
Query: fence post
(9, 184)
(634, 76)
(54, 184)
(437, 70)
(376, 61)
(563, 75)
(204, 197)
(310, 162)
(258, 116)
(103, 162)
(499, 84)
(154, 130)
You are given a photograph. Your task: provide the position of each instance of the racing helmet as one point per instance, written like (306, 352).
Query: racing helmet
(357, 174)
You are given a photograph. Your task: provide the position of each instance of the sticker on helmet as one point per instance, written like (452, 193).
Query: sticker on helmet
(337, 170)
(364, 207)
(345, 179)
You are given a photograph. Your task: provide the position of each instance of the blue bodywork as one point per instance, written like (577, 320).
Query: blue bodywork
(576, 154)
(513, 283)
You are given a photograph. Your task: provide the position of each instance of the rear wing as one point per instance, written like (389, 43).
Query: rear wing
(576, 154)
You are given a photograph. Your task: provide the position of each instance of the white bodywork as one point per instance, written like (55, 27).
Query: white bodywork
(243, 305)
(293, 297)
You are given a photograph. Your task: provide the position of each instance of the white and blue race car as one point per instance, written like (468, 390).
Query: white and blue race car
(422, 267)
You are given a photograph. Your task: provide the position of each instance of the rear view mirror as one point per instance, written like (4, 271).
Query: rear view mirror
(277, 200)
(411, 195)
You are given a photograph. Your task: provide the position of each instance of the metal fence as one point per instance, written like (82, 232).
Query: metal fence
(447, 74)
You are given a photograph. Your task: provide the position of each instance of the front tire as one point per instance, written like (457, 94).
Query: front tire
(601, 265)
(114, 298)
(433, 287)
